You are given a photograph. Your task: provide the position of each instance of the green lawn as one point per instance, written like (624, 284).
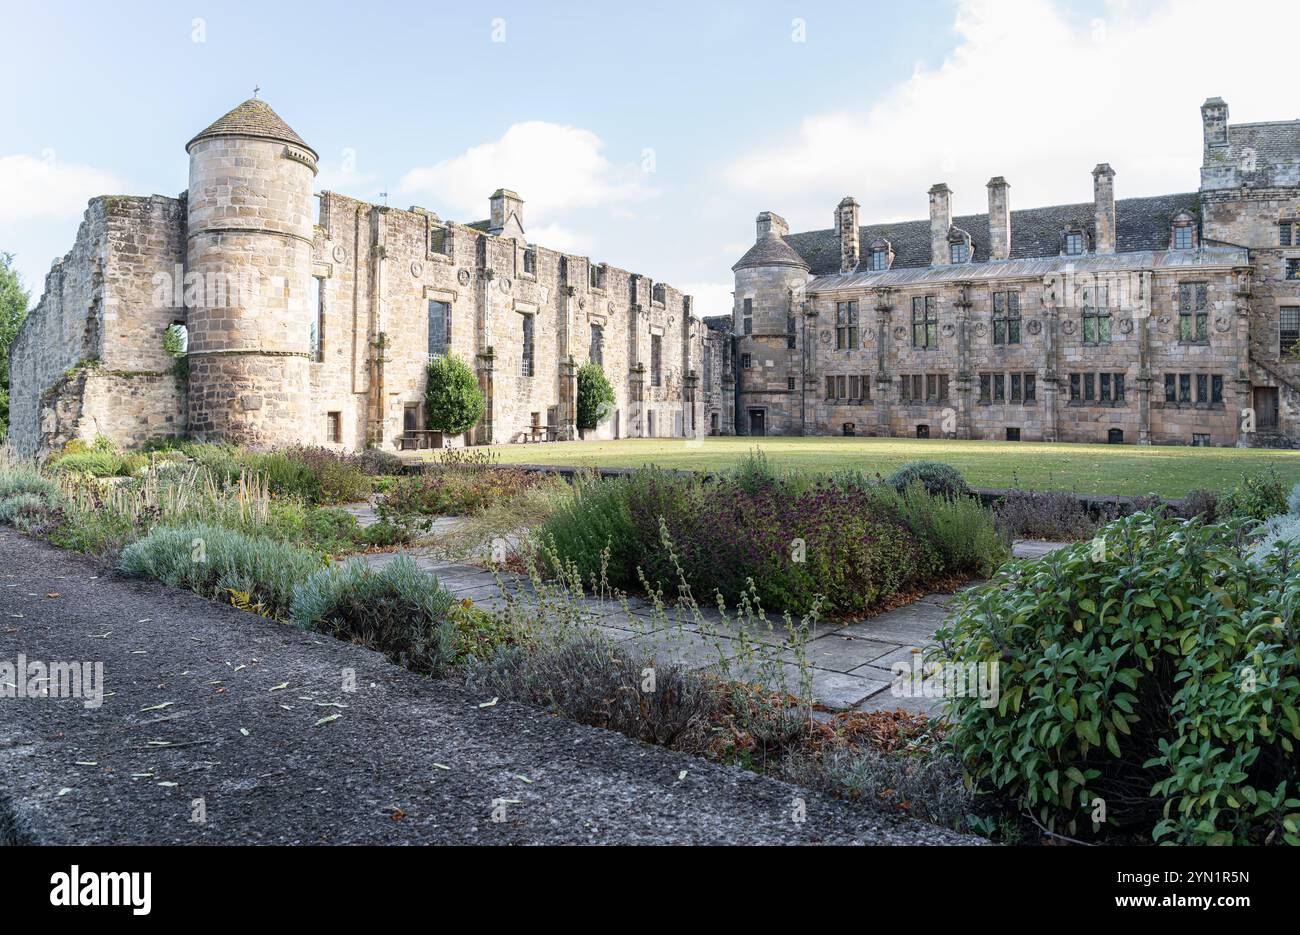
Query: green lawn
(1108, 469)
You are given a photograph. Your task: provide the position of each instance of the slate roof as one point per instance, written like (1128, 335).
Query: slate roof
(1273, 143)
(253, 118)
(1206, 257)
(773, 251)
(1141, 224)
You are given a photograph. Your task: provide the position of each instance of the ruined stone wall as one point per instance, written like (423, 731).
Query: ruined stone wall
(380, 268)
(90, 359)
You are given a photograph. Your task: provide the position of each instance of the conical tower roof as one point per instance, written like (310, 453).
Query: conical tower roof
(253, 118)
(771, 251)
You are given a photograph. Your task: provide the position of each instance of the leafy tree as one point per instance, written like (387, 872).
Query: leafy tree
(453, 402)
(595, 395)
(13, 309)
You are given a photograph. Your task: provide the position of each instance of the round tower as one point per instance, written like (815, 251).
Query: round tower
(248, 271)
(768, 328)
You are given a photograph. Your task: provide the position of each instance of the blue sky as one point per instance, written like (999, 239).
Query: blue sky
(647, 135)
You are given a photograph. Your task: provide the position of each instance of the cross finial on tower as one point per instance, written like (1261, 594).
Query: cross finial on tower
(256, 89)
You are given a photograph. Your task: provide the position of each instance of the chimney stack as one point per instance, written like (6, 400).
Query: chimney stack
(506, 205)
(1103, 196)
(999, 219)
(771, 224)
(940, 223)
(847, 223)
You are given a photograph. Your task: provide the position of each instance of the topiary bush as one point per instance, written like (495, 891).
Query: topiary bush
(220, 563)
(1153, 669)
(595, 395)
(939, 479)
(453, 401)
(398, 610)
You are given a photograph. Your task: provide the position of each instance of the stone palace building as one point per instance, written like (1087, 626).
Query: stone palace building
(311, 318)
(1165, 320)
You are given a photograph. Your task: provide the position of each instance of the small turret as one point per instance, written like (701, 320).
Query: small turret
(250, 218)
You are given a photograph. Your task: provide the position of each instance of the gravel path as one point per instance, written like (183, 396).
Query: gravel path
(213, 713)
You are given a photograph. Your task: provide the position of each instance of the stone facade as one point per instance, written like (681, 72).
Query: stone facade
(313, 323)
(1166, 320)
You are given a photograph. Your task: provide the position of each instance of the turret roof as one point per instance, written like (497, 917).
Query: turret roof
(253, 118)
(771, 251)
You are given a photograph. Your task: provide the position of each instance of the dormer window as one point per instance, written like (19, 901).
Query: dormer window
(595, 277)
(959, 246)
(530, 262)
(881, 256)
(1074, 243)
(1182, 232)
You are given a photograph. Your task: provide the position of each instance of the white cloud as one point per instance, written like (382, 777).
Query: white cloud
(554, 168)
(711, 298)
(1036, 94)
(44, 187)
(559, 237)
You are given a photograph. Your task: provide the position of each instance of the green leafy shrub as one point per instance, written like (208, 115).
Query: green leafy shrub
(1154, 669)
(593, 529)
(595, 395)
(479, 634)
(842, 544)
(339, 477)
(587, 679)
(938, 478)
(331, 528)
(386, 532)
(16, 479)
(398, 610)
(453, 490)
(453, 401)
(94, 463)
(963, 533)
(216, 562)
(1256, 496)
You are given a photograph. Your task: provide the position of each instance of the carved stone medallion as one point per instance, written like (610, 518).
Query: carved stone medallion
(462, 277)
(340, 254)
(417, 269)
(981, 329)
(1034, 327)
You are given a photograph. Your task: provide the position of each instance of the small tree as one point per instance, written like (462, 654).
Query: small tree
(13, 309)
(453, 402)
(595, 395)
